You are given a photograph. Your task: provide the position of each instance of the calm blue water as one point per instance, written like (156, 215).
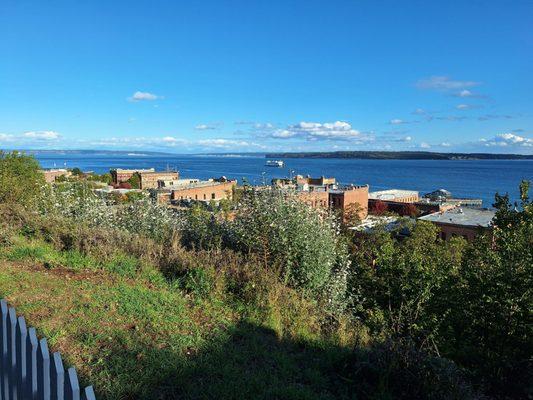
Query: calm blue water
(478, 179)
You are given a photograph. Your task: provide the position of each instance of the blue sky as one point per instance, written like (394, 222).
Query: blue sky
(202, 76)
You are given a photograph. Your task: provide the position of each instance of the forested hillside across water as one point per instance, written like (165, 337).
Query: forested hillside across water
(402, 155)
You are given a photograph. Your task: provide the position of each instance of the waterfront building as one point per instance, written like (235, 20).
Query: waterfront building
(440, 195)
(119, 175)
(325, 192)
(173, 183)
(203, 191)
(443, 196)
(350, 197)
(149, 180)
(396, 195)
(465, 222)
(50, 175)
(148, 177)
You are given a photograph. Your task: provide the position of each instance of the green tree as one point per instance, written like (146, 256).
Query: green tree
(135, 181)
(492, 315)
(399, 285)
(20, 178)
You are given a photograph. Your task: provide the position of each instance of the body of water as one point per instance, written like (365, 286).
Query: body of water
(464, 178)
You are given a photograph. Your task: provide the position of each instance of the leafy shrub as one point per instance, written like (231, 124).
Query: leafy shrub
(302, 246)
(78, 202)
(400, 286)
(20, 179)
(198, 281)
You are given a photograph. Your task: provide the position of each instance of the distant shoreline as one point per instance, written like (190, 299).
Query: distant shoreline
(363, 155)
(402, 155)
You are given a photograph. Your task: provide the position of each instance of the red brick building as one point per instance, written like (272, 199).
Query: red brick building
(119, 175)
(149, 180)
(353, 196)
(50, 175)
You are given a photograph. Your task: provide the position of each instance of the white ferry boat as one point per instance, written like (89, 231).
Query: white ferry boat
(275, 163)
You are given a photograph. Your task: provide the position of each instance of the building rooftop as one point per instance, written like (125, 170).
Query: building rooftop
(391, 194)
(122, 170)
(462, 216)
(439, 192)
(156, 173)
(198, 184)
(372, 221)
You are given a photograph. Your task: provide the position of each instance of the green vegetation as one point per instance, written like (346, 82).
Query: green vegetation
(135, 181)
(20, 179)
(266, 298)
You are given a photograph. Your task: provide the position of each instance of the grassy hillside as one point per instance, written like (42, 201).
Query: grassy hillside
(131, 334)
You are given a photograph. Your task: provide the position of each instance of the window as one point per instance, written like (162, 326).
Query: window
(196, 197)
(204, 196)
(213, 196)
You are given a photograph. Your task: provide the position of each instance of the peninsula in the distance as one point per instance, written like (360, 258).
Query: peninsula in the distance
(402, 155)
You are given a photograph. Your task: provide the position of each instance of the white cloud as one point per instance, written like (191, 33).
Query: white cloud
(445, 144)
(227, 143)
(420, 111)
(283, 134)
(396, 121)
(170, 139)
(468, 94)
(451, 118)
(488, 117)
(425, 145)
(4, 137)
(508, 139)
(312, 131)
(143, 96)
(465, 93)
(205, 127)
(463, 107)
(444, 83)
(166, 141)
(266, 125)
(42, 135)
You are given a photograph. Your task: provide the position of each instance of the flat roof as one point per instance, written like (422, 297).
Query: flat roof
(199, 184)
(372, 221)
(133, 170)
(462, 216)
(157, 173)
(391, 193)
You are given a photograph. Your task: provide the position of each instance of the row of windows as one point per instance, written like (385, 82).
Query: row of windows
(213, 197)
